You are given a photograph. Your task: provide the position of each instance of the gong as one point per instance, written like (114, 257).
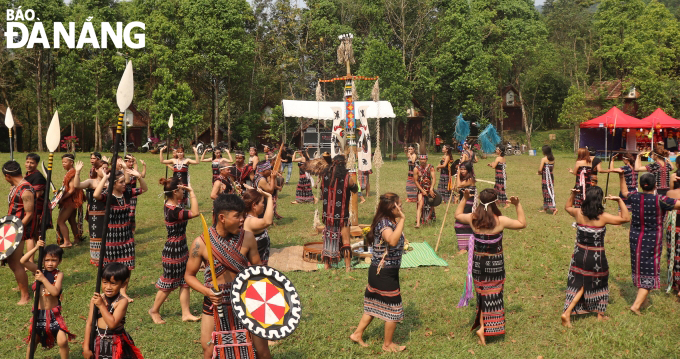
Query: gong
(266, 302)
(11, 231)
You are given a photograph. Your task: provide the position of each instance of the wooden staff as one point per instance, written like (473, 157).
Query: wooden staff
(124, 99)
(9, 122)
(218, 310)
(52, 141)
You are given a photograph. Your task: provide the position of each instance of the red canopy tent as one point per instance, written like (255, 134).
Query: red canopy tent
(615, 118)
(659, 119)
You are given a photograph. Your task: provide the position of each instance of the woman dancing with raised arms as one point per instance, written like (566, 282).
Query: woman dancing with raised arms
(175, 252)
(382, 298)
(501, 177)
(180, 167)
(629, 174)
(660, 168)
(303, 192)
(486, 267)
(588, 278)
(215, 161)
(96, 208)
(548, 180)
(465, 181)
(445, 173)
(647, 212)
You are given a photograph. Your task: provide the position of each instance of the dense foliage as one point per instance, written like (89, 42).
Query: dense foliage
(227, 64)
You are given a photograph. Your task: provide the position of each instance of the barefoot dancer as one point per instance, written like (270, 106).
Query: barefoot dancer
(660, 168)
(673, 241)
(465, 181)
(545, 170)
(175, 252)
(647, 212)
(501, 178)
(382, 298)
(629, 174)
(486, 267)
(259, 216)
(588, 278)
(423, 176)
(39, 184)
(411, 190)
(120, 241)
(70, 202)
(336, 187)
(303, 192)
(21, 200)
(445, 173)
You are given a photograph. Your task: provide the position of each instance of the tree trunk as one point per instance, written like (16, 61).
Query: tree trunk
(228, 112)
(97, 128)
(216, 97)
(525, 122)
(431, 139)
(576, 139)
(38, 95)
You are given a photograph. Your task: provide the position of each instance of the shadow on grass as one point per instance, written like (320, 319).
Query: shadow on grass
(626, 290)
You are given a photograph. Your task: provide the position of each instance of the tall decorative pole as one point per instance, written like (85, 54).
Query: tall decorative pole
(9, 122)
(52, 141)
(167, 143)
(123, 99)
(346, 56)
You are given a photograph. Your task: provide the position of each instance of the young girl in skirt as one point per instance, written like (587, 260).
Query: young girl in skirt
(382, 298)
(445, 173)
(660, 168)
(588, 278)
(545, 170)
(501, 176)
(131, 163)
(175, 252)
(303, 193)
(111, 340)
(465, 181)
(120, 241)
(51, 326)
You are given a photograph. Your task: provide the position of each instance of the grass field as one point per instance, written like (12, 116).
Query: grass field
(537, 260)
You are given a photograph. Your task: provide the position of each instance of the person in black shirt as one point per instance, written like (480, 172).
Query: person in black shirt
(286, 162)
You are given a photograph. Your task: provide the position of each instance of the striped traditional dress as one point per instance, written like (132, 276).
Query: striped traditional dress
(425, 180)
(95, 220)
(630, 176)
(443, 187)
(589, 270)
(363, 181)
(548, 186)
(463, 231)
(175, 252)
(583, 182)
(382, 298)
(120, 241)
(411, 190)
(303, 192)
(663, 176)
(501, 178)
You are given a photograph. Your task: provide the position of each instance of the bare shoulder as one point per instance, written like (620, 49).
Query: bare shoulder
(197, 247)
(249, 239)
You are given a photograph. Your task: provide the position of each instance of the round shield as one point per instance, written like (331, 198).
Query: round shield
(11, 231)
(436, 200)
(266, 302)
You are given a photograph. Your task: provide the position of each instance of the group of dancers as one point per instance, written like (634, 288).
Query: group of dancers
(244, 207)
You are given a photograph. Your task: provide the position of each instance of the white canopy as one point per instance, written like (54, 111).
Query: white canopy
(326, 110)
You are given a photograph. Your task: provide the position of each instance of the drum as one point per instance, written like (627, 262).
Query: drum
(266, 302)
(11, 231)
(436, 200)
(311, 252)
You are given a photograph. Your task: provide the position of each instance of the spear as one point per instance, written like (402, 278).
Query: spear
(124, 99)
(52, 141)
(167, 143)
(9, 122)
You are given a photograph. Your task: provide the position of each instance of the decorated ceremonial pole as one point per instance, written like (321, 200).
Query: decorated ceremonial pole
(9, 122)
(167, 143)
(52, 141)
(611, 157)
(123, 99)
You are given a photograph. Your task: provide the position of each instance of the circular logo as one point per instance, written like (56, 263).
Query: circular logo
(266, 302)
(11, 231)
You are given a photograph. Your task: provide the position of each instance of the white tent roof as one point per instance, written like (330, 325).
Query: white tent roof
(325, 110)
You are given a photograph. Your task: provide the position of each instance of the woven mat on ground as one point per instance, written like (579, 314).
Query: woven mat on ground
(422, 255)
(289, 259)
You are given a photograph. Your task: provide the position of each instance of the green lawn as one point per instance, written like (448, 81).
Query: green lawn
(537, 260)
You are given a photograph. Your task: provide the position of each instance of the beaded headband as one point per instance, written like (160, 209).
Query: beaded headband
(422, 157)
